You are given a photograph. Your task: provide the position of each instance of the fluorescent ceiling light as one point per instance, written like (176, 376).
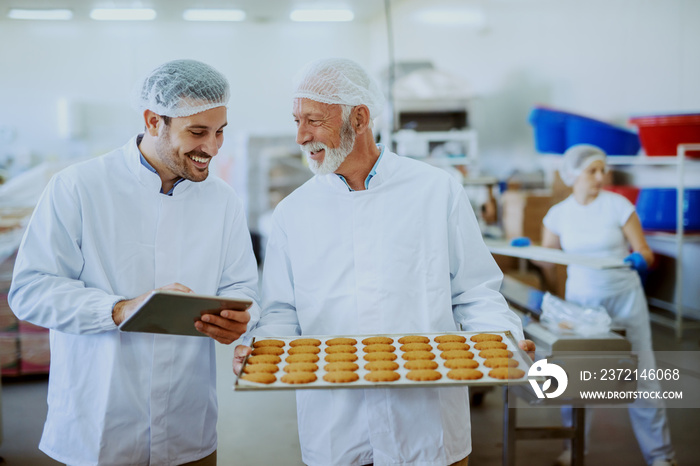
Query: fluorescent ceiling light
(213, 15)
(470, 17)
(123, 14)
(321, 15)
(51, 15)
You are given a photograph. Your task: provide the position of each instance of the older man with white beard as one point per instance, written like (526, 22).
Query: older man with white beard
(374, 243)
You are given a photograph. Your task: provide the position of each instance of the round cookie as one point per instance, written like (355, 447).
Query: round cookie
(341, 357)
(340, 349)
(262, 343)
(305, 342)
(382, 376)
(506, 373)
(461, 364)
(379, 347)
(500, 362)
(341, 377)
(484, 345)
(377, 341)
(299, 377)
(267, 350)
(413, 339)
(381, 366)
(415, 355)
(457, 354)
(341, 341)
(453, 345)
(264, 359)
(422, 375)
(304, 350)
(416, 347)
(485, 337)
(301, 367)
(260, 377)
(450, 339)
(256, 368)
(340, 366)
(380, 356)
(301, 357)
(495, 353)
(465, 374)
(420, 364)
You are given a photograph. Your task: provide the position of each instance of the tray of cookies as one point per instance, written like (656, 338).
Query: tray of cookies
(399, 360)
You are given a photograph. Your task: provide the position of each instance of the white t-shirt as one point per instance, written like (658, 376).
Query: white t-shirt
(594, 230)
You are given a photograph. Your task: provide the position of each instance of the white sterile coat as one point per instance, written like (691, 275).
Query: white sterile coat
(102, 232)
(404, 256)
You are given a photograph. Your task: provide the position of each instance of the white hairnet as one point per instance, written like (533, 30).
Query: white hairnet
(181, 88)
(576, 159)
(339, 81)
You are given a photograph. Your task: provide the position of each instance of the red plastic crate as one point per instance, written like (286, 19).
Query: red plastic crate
(661, 134)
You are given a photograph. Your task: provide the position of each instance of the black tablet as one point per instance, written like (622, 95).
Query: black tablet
(175, 313)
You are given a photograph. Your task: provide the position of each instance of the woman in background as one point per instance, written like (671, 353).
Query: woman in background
(600, 223)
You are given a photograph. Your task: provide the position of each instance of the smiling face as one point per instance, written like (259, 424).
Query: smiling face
(184, 148)
(324, 133)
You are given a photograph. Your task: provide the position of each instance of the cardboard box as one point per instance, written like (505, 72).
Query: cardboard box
(523, 212)
(34, 356)
(8, 320)
(9, 353)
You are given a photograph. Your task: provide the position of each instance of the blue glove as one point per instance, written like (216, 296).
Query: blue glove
(520, 242)
(637, 262)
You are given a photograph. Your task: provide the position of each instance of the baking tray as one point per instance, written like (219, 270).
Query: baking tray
(524, 363)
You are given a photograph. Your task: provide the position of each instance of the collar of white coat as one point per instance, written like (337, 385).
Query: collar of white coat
(372, 174)
(150, 180)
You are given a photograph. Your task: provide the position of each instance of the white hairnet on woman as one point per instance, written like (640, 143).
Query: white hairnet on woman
(339, 81)
(576, 159)
(182, 88)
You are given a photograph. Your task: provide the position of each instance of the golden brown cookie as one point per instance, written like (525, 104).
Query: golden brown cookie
(260, 377)
(301, 367)
(341, 377)
(341, 357)
(304, 350)
(261, 343)
(461, 364)
(465, 374)
(381, 366)
(305, 342)
(380, 356)
(423, 375)
(453, 345)
(255, 368)
(457, 354)
(500, 362)
(506, 373)
(341, 341)
(299, 377)
(384, 348)
(485, 337)
(415, 355)
(413, 339)
(420, 364)
(495, 353)
(267, 350)
(340, 349)
(484, 345)
(264, 359)
(377, 341)
(382, 376)
(301, 357)
(450, 339)
(416, 347)
(340, 366)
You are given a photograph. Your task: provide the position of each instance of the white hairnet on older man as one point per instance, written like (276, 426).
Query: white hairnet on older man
(576, 159)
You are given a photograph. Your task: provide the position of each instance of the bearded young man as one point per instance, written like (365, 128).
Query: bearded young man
(374, 243)
(104, 234)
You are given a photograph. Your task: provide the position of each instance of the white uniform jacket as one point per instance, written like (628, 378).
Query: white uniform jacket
(405, 255)
(100, 233)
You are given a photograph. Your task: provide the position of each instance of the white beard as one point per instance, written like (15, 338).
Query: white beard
(332, 158)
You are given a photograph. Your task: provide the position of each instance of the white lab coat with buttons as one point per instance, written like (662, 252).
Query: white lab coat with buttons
(404, 256)
(100, 233)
